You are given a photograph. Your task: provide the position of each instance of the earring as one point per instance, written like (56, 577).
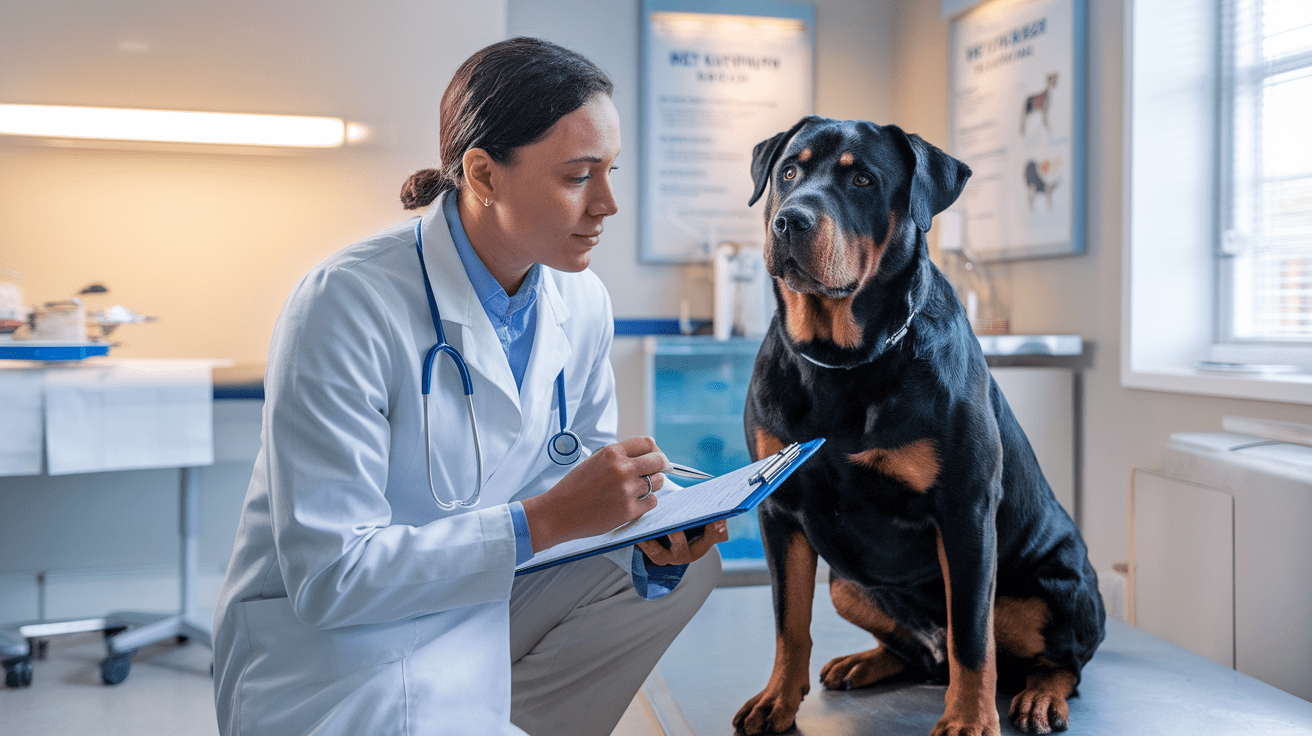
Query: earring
(487, 202)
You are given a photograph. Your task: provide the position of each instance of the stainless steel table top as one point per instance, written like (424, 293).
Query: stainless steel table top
(1135, 684)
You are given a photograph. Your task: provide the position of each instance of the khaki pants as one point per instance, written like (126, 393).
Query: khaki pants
(582, 642)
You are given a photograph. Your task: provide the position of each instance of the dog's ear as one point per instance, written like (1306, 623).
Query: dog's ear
(936, 181)
(767, 152)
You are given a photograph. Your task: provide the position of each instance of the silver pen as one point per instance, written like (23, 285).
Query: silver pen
(686, 471)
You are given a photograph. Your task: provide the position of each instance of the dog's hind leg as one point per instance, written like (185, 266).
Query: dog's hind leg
(1048, 638)
(862, 669)
(1041, 707)
(1018, 625)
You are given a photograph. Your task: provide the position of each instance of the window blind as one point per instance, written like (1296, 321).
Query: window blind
(1267, 48)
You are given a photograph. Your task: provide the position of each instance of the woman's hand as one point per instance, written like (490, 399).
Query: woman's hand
(605, 491)
(682, 553)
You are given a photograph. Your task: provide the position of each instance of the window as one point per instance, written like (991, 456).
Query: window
(1213, 157)
(1265, 270)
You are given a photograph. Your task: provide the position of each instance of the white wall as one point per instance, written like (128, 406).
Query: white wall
(212, 242)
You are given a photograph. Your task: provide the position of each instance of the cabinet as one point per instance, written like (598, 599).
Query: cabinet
(1220, 557)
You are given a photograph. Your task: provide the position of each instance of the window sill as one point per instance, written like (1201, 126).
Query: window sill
(1285, 388)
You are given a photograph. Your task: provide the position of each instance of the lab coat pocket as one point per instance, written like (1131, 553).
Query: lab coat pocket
(277, 637)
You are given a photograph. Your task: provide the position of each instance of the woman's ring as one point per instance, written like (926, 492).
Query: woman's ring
(644, 496)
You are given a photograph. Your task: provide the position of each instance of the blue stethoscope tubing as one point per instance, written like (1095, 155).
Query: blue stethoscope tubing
(564, 447)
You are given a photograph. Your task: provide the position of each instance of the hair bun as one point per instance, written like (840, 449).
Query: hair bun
(423, 187)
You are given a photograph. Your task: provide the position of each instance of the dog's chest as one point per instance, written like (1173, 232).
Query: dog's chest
(860, 520)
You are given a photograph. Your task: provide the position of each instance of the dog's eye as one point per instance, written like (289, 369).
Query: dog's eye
(790, 172)
(861, 180)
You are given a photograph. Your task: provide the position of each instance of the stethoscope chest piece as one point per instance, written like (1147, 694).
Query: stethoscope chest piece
(564, 447)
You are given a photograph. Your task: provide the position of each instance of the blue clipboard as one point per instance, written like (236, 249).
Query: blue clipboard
(723, 497)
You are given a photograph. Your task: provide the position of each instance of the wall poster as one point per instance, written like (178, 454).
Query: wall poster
(718, 77)
(1017, 118)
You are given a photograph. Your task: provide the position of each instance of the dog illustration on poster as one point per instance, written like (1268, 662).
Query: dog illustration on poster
(1041, 178)
(1039, 103)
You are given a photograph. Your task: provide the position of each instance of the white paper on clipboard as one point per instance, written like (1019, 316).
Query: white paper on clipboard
(680, 508)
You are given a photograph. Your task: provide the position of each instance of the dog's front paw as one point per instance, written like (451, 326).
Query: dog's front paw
(956, 725)
(774, 709)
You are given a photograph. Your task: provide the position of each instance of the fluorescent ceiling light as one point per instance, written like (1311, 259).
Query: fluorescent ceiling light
(171, 126)
(692, 25)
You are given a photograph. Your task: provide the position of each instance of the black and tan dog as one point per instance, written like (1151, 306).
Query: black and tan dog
(942, 537)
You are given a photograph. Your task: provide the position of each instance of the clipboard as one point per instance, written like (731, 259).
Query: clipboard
(722, 497)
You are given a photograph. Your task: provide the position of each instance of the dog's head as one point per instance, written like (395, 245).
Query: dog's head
(849, 203)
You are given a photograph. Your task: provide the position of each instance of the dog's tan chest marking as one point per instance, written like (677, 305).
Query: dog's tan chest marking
(915, 465)
(1018, 625)
(812, 317)
(767, 444)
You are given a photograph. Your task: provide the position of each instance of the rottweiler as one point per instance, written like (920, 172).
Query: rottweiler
(943, 538)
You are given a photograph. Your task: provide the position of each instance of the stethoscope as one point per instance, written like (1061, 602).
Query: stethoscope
(563, 448)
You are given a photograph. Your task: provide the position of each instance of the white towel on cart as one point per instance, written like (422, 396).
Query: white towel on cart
(128, 414)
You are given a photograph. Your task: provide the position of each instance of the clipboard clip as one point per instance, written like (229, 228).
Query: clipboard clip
(781, 460)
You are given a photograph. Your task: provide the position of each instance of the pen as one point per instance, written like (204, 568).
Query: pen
(686, 471)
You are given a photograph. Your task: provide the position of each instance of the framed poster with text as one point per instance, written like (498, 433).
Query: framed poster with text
(718, 77)
(1017, 118)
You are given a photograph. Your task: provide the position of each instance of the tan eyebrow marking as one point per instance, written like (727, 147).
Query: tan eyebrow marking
(805, 155)
(846, 159)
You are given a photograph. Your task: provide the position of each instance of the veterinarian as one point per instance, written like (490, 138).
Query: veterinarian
(372, 589)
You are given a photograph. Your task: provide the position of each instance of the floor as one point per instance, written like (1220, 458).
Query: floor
(168, 692)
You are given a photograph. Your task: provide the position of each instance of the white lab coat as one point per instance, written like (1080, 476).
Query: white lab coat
(353, 604)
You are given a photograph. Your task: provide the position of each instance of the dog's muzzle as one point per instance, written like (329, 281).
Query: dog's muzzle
(791, 256)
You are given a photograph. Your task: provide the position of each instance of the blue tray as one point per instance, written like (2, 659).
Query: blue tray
(50, 351)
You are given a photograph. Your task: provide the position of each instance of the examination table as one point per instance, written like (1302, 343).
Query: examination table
(1135, 684)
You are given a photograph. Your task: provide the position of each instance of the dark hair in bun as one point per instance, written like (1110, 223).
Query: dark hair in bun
(505, 96)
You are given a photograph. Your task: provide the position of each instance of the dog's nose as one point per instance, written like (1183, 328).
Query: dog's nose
(793, 221)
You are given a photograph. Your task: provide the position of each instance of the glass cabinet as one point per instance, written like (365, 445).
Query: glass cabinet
(696, 391)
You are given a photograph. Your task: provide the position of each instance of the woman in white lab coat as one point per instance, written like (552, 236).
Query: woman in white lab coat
(361, 598)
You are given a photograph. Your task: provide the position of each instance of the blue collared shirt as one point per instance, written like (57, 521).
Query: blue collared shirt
(515, 320)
